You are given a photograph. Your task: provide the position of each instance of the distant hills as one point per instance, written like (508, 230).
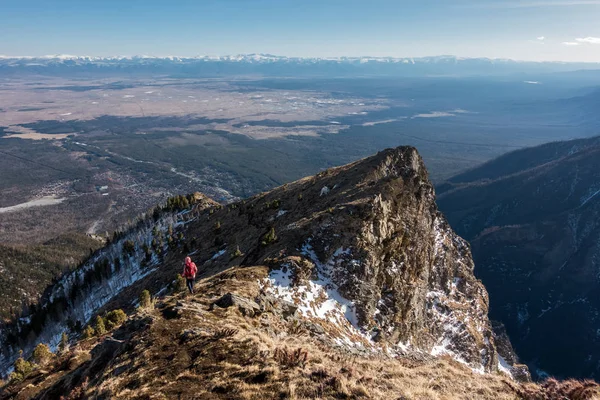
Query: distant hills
(533, 219)
(280, 65)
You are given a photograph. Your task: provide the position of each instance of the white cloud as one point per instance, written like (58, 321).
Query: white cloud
(541, 38)
(589, 39)
(571, 43)
(533, 4)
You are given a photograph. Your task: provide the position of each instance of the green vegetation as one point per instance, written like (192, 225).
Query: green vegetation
(180, 203)
(42, 354)
(273, 205)
(22, 368)
(30, 269)
(63, 346)
(115, 318)
(88, 332)
(237, 253)
(105, 324)
(180, 283)
(269, 237)
(145, 299)
(99, 327)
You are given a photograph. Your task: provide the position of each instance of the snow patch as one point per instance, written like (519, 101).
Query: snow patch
(281, 213)
(217, 255)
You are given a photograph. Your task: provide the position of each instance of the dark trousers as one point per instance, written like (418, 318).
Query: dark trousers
(190, 284)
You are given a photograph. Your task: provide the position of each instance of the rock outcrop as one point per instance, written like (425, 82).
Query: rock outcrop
(358, 253)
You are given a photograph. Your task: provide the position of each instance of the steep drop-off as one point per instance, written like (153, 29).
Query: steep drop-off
(359, 252)
(533, 219)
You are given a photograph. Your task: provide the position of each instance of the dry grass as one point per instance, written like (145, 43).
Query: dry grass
(230, 356)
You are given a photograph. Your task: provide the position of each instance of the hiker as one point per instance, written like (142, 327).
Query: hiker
(189, 273)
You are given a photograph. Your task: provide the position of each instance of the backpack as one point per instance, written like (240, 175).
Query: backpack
(190, 270)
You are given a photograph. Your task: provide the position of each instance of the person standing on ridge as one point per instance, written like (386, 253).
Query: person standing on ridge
(189, 273)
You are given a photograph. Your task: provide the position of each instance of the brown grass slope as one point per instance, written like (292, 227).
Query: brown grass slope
(182, 348)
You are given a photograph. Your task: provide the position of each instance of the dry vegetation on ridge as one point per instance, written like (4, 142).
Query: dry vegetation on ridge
(182, 348)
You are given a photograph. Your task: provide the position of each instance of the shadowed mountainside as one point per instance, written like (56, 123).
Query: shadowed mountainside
(532, 217)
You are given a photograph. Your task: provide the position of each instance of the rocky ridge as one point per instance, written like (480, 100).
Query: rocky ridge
(361, 251)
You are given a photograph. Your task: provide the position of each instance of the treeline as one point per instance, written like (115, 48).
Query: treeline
(143, 242)
(28, 269)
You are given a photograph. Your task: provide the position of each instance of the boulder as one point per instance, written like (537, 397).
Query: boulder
(246, 306)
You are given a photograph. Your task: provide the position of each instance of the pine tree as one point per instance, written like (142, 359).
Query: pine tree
(42, 354)
(22, 368)
(63, 346)
(88, 332)
(269, 237)
(180, 284)
(115, 318)
(237, 253)
(145, 299)
(100, 327)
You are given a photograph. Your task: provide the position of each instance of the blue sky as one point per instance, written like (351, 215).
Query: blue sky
(529, 30)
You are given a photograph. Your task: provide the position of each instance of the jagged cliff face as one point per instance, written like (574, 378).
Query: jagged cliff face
(362, 252)
(533, 218)
(365, 242)
(387, 250)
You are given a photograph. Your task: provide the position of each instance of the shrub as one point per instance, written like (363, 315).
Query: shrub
(237, 253)
(269, 237)
(22, 368)
(63, 346)
(147, 253)
(88, 332)
(145, 299)
(42, 354)
(554, 389)
(100, 327)
(290, 358)
(115, 318)
(224, 333)
(180, 284)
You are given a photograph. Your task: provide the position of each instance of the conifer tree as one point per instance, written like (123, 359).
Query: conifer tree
(100, 327)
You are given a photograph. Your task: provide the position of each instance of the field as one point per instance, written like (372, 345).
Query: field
(85, 155)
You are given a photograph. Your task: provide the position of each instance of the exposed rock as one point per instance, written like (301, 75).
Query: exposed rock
(386, 250)
(503, 344)
(191, 334)
(520, 373)
(275, 305)
(246, 306)
(371, 257)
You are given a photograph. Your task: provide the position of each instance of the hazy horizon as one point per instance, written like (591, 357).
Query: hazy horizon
(550, 30)
(215, 55)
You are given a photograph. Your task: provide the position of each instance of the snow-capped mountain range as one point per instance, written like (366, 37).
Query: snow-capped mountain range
(281, 65)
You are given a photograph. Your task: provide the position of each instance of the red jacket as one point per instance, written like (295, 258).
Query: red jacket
(190, 269)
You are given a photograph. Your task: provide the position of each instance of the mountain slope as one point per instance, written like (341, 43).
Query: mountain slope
(535, 234)
(358, 254)
(185, 347)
